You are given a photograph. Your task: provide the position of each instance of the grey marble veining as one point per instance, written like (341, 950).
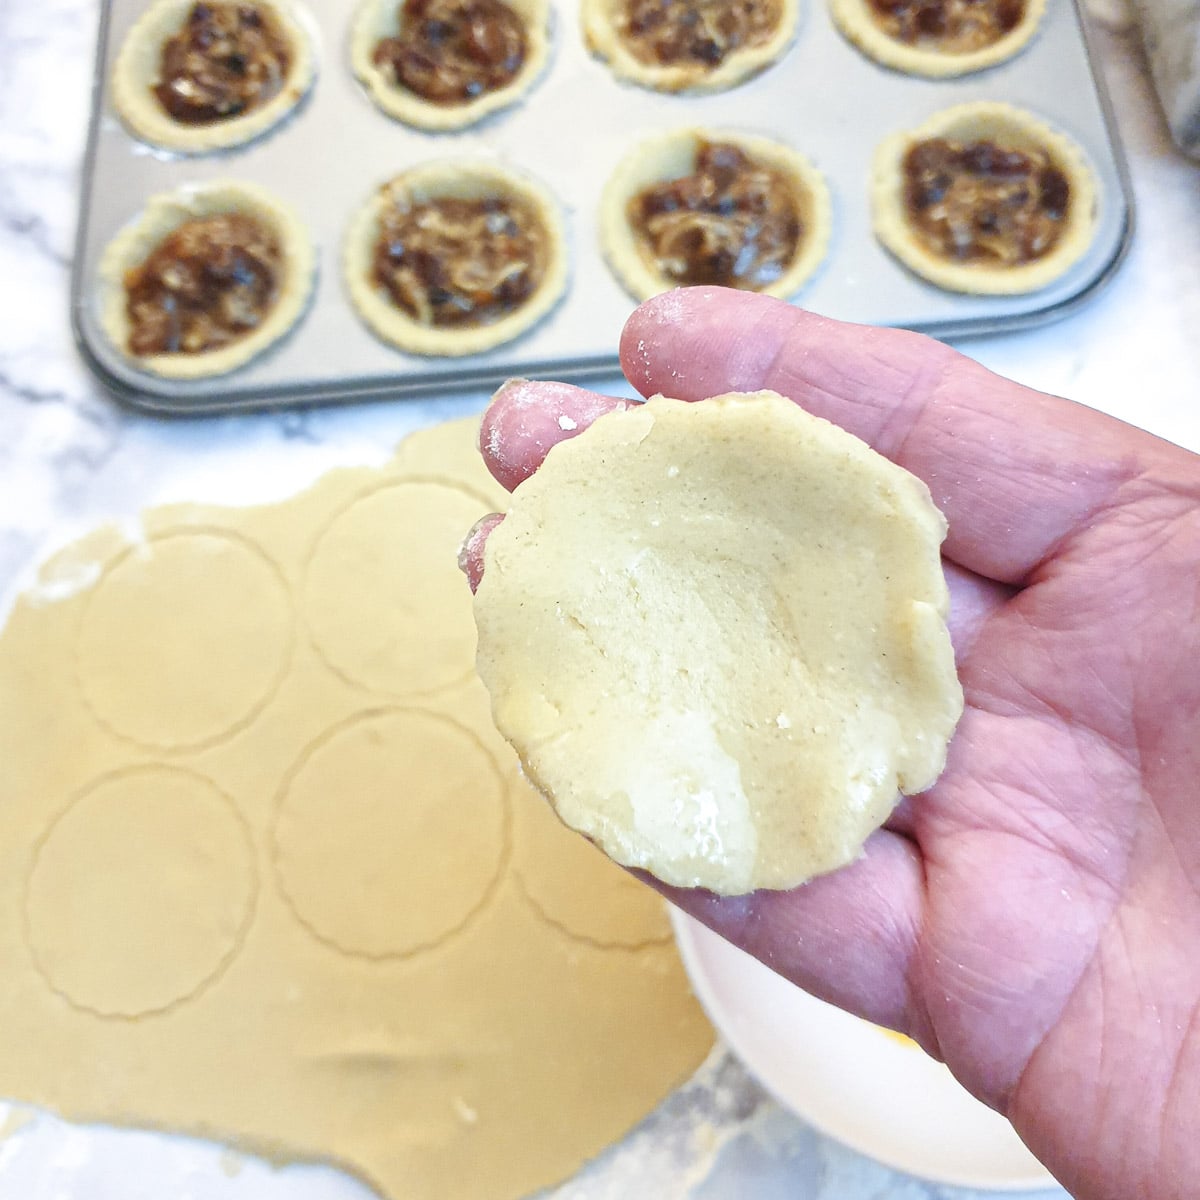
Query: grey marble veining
(69, 458)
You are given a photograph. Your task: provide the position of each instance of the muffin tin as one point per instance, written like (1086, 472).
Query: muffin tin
(822, 96)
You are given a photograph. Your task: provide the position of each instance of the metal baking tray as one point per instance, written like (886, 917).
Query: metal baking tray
(822, 96)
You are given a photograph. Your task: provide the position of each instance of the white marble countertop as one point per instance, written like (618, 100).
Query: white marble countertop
(69, 458)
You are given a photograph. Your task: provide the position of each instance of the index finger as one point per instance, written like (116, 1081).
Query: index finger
(525, 419)
(1014, 470)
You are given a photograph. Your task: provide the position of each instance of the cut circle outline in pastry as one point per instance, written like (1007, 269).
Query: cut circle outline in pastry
(601, 27)
(1014, 128)
(632, 916)
(197, 636)
(346, 809)
(136, 72)
(465, 179)
(858, 25)
(668, 156)
(375, 20)
(163, 214)
(383, 639)
(184, 909)
(715, 634)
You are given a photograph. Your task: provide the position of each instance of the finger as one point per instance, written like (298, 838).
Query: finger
(470, 553)
(848, 937)
(973, 602)
(525, 418)
(1016, 472)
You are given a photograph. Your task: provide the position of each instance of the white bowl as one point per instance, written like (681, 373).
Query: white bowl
(857, 1083)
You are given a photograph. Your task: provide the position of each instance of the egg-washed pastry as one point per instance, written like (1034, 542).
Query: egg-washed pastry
(700, 206)
(200, 75)
(455, 257)
(715, 634)
(204, 279)
(984, 198)
(691, 45)
(938, 38)
(446, 64)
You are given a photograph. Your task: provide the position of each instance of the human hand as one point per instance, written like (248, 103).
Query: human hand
(1034, 918)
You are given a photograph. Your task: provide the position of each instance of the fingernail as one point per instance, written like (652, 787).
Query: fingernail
(470, 553)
